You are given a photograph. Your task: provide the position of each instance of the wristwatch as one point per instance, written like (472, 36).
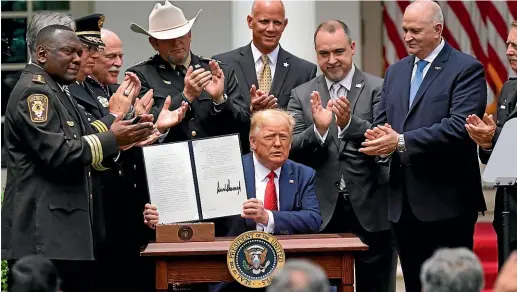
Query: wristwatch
(401, 146)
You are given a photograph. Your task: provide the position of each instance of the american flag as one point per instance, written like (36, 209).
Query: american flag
(478, 28)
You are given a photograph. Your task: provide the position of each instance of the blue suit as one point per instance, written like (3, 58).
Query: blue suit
(435, 185)
(299, 208)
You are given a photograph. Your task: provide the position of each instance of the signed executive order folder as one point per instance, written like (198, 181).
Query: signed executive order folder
(197, 179)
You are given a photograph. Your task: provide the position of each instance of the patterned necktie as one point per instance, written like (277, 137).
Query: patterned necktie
(67, 92)
(270, 201)
(337, 90)
(265, 75)
(417, 80)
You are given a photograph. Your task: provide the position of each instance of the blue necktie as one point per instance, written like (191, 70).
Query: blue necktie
(417, 80)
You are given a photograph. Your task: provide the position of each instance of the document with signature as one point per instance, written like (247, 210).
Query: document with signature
(196, 180)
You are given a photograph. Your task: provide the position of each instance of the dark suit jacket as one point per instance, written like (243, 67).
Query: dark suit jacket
(506, 110)
(297, 71)
(362, 175)
(299, 209)
(47, 208)
(439, 172)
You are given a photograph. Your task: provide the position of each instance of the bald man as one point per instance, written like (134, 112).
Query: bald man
(266, 72)
(435, 184)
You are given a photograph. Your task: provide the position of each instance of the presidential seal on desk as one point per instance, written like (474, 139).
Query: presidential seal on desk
(253, 257)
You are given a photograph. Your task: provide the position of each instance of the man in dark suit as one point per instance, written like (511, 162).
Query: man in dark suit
(350, 185)
(485, 133)
(435, 184)
(284, 70)
(48, 204)
(266, 84)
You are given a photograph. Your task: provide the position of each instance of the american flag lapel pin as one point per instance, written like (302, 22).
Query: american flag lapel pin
(291, 181)
(437, 68)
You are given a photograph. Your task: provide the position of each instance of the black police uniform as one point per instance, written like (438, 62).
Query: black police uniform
(47, 208)
(121, 202)
(204, 118)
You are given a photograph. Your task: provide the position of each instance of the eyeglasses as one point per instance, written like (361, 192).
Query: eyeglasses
(93, 48)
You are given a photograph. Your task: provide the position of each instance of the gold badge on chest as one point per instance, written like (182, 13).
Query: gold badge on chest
(104, 101)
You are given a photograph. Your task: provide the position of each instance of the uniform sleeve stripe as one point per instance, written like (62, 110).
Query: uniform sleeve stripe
(99, 147)
(100, 126)
(99, 167)
(97, 127)
(92, 148)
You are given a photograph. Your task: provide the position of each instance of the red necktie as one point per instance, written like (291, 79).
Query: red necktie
(270, 201)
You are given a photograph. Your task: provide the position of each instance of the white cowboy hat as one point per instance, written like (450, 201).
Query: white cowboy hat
(166, 22)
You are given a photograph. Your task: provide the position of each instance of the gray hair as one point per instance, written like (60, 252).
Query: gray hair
(316, 279)
(45, 19)
(452, 270)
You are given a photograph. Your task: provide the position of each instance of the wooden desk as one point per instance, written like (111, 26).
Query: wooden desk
(205, 262)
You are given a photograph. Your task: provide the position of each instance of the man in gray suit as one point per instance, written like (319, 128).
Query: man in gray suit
(332, 112)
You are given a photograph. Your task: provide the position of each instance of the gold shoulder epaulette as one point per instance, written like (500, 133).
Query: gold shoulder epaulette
(38, 78)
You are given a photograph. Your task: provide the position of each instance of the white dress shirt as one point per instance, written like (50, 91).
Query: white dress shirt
(257, 58)
(430, 58)
(346, 83)
(261, 181)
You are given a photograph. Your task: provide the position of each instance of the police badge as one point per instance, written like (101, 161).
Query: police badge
(104, 101)
(253, 258)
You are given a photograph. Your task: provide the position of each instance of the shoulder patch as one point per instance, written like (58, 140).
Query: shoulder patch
(38, 79)
(38, 107)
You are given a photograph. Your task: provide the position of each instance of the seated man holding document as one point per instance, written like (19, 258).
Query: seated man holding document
(281, 194)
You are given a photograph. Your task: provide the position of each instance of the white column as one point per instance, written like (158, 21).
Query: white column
(298, 35)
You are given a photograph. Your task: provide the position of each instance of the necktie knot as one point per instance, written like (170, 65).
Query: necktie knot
(420, 65)
(265, 59)
(335, 88)
(271, 175)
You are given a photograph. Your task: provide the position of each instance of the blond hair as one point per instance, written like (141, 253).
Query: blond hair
(260, 117)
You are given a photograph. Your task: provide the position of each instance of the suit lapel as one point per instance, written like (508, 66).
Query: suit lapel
(249, 178)
(280, 72)
(81, 93)
(325, 97)
(406, 85)
(63, 98)
(356, 88)
(95, 95)
(287, 187)
(248, 66)
(435, 69)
